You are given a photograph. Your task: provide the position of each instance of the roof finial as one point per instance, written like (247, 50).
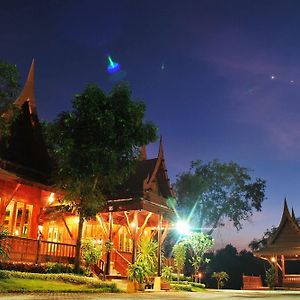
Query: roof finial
(161, 148)
(293, 214)
(27, 93)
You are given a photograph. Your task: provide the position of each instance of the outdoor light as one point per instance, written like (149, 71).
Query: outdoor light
(273, 259)
(183, 227)
(51, 198)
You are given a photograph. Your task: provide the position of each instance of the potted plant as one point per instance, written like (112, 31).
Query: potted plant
(136, 277)
(166, 276)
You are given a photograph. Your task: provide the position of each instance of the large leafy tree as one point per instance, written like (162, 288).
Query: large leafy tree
(210, 193)
(9, 89)
(94, 147)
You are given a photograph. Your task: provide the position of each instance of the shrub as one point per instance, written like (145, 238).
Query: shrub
(270, 276)
(181, 287)
(91, 252)
(198, 285)
(58, 268)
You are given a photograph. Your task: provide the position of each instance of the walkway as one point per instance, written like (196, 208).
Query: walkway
(208, 295)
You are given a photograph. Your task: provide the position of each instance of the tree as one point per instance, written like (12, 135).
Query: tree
(212, 192)
(221, 278)
(9, 89)
(257, 244)
(199, 243)
(179, 254)
(9, 83)
(95, 147)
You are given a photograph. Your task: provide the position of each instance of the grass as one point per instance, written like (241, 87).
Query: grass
(38, 285)
(11, 281)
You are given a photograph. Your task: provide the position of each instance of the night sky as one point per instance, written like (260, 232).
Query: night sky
(221, 79)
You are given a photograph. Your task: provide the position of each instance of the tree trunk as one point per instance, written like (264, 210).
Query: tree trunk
(78, 244)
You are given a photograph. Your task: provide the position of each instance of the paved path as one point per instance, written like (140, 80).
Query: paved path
(209, 295)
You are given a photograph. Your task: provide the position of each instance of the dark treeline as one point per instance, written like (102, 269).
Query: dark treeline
(235, 264)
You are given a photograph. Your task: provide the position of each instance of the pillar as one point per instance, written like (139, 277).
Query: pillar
(108, 253)
(135, 225)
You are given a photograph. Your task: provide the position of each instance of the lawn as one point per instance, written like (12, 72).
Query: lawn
(38, 285)
(12, 281)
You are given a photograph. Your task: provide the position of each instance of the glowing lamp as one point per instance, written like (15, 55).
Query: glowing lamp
(51, 198)
(113, 66)
(183, 227)
(273, 259)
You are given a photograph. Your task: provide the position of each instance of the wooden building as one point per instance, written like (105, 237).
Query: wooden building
(42, 229)
(283, 250)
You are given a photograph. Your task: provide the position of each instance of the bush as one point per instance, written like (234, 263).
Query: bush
(198, 285)
(22, 267)
(58, 268)
(181, 287)
(91, 252)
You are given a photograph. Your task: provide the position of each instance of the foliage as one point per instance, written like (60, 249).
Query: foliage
(45, 268)
(235, 264)
(181, 287)
(9, 84)
(179, 254)
(91, 252)
(257, 244)
(137, 272)
(4, 246)
(108, 245)
(221, 278)
(147, 254)
(270, 277)
(56, 268)
(166, 273)
(95, 146)
(199, 243)
(9, 88)
(217, 191)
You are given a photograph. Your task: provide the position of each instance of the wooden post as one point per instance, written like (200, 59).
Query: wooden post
(276, 271)
(134, 238)
(283, 268)
(108, 253)
(38, 249)
(159, 242)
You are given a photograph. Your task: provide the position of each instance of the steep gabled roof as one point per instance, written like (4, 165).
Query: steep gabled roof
(160, 174)
(286, 239)
(27, 94)
(26, 145)
(146, 173)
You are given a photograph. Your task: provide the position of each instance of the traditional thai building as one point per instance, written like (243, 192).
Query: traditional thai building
(42, 229)
(283, 250)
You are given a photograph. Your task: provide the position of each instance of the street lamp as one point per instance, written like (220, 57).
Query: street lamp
(183, 227)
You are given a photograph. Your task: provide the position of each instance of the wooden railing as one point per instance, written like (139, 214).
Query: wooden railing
(21, 249)
(121, 261)
(252, 282)
(38, 251)
(56, 252)
(99, 269)
(291, 280)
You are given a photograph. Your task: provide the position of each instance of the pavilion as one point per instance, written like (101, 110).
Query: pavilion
(283, 250)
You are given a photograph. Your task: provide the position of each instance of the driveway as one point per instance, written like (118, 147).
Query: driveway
(207, 295)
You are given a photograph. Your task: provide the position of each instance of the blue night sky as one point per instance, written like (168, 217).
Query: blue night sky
(221, 79)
